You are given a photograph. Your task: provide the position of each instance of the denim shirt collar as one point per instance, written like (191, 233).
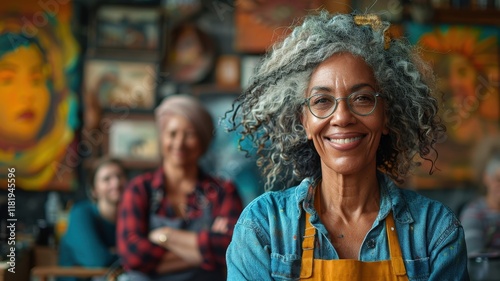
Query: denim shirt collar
(390, 199)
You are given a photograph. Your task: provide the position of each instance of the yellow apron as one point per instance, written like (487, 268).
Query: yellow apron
(349, 269)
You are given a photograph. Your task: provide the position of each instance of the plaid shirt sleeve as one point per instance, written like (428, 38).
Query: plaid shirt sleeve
(227, 204)
(134, 247)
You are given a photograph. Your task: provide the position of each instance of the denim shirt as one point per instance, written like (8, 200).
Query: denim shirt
(267, 240)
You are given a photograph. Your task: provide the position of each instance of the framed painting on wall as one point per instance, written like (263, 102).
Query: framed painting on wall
(465, 60)
(121, 83)
(260, 24)
(39, 78)
(127, 28)
(133, 139)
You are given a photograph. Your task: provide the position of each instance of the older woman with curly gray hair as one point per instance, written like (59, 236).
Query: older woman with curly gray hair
(342, 109)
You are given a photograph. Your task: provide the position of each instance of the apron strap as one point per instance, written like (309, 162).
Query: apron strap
(394, 249)
(308, 249)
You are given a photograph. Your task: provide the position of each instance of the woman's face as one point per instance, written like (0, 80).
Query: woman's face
(24, 96)
(109, 183)
(460, 77)
(180, 143)
(346, 142)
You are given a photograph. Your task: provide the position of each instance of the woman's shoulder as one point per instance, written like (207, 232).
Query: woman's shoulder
(216, 181)
(83, 209)
(423, 208)
(275, 203)
(416, 199)
(83, 206)
(147, 176)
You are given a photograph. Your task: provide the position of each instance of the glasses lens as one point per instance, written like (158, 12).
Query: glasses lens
(322, 105)
(362, 103)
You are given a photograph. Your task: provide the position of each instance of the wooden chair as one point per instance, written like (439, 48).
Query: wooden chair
(45, 266)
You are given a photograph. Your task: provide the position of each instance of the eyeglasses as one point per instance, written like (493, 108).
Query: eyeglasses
(361, 103)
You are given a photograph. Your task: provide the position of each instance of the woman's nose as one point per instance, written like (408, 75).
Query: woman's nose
(342, 116)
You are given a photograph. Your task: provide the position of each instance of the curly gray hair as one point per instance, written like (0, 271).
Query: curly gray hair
(269, 111)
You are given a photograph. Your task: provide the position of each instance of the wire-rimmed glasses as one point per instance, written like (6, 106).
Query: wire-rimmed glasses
(361, 103)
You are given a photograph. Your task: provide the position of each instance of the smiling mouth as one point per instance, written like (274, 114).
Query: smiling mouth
(344, 141)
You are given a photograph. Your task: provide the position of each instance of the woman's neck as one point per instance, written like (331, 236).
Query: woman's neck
(350, 197)
(180, 178)
(107, 211)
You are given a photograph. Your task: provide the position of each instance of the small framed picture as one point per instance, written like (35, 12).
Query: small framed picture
(120, 83)
(227, 71)
(127, 27)
(133, 139)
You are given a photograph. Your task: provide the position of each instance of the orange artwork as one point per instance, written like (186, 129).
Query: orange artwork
(465, 60)
(38, 106)
(260, 23)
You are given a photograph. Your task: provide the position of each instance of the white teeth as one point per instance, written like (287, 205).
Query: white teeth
(343, 141)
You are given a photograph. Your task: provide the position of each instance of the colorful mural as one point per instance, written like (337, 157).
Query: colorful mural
(38, 104)
(466, 61)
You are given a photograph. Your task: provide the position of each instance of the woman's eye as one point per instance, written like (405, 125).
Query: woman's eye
(37, 79)
(322, 100)
(6, 78)
(363, 98)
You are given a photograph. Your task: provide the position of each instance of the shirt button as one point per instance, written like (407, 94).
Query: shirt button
(370, 243)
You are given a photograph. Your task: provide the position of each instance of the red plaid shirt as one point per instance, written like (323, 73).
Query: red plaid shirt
(134, 247)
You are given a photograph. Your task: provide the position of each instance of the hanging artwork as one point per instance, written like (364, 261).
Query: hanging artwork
(38, 105)
(465, 60)
(260, 23)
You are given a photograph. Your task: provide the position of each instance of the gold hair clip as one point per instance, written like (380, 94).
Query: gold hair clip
(376, 23)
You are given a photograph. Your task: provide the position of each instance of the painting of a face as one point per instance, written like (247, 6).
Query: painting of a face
(39, 79)
(24, 95)
(465, 61)
(459, 77)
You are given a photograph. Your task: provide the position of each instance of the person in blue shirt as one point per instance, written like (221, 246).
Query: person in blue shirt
(338, 113)
(90, 239)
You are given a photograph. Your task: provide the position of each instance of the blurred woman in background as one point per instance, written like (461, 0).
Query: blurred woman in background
(176, 222)
(481, 217)
(90, 240)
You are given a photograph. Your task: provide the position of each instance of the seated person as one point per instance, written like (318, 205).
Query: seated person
(176, 222)
(481, 217)
(90, 239)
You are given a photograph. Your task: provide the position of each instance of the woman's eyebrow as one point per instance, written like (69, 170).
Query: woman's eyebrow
(321, 89)
(8, 66)
(353, 89)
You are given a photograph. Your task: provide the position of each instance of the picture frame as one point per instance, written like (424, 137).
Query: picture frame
(116, 83)
(227, 72)
(127, 28)
(133, 139)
